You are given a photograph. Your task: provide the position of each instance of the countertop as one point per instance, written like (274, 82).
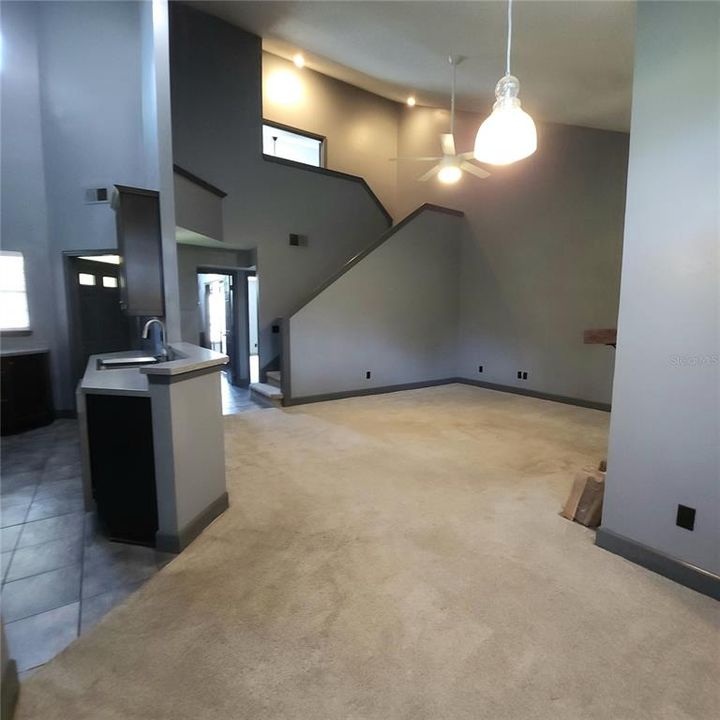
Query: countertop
(134, 380)
(27, 351)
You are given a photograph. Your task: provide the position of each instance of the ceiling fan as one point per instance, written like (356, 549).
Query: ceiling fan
(451, 165)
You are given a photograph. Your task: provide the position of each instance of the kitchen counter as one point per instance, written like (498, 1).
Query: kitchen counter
(27, 351)
(135, 380)
(153, 455)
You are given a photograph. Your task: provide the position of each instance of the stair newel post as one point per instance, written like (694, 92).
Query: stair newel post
(285, 379)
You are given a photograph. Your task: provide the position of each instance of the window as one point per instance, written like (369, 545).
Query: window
(13, 294)
(109, 281)
(86, 279)
(293, 145)
(109, 259)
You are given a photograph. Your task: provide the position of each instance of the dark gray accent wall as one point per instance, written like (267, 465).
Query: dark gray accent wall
(665, 426)
(217, 135)
(392, 313)
(540, 253)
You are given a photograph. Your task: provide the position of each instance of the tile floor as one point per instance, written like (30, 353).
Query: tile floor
(235, 399)
(59, 575)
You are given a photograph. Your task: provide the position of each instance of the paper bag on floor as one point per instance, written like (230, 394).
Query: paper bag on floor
(584, 505)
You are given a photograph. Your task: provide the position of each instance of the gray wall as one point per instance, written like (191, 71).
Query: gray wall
(24, 204)
(198, 209)
(76, 102)
(394, 313)
(216, 95)
(541, 255)
(665, 426)
(361, 128)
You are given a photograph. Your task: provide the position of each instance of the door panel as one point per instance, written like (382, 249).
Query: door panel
(99, 324)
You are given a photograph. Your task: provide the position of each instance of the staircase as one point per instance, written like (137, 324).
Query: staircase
(360, 320)
(268, 394)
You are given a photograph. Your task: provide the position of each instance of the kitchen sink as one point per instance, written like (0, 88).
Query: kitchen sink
(125, 362)
(131, 361)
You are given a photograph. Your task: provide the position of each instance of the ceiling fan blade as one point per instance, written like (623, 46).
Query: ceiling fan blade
(430, 173)
(448, 144)
(466, 156)
(474, 170)
(415, 159)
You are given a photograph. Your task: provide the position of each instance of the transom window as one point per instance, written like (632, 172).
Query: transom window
(13, 292)
(293, 144)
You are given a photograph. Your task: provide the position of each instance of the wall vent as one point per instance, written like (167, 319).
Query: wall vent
(96, 196)
(298, 240)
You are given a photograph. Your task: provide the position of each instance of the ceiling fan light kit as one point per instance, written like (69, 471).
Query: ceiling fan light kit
(451, 165)
(449, 174)
(509, 133)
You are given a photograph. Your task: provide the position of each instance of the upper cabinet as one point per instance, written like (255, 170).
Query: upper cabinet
(137, 214)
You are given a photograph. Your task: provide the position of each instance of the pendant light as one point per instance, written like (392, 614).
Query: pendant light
(509, 133)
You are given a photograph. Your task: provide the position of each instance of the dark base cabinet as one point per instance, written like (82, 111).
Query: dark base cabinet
(26, 392)
(122, 466)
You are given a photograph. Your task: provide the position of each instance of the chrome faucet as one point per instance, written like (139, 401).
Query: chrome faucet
(146, 332)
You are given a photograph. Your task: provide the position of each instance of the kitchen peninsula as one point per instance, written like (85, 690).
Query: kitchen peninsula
(152, 443)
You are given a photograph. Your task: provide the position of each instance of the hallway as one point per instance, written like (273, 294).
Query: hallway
(235, 399)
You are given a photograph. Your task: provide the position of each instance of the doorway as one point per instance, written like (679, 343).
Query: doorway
(215, 294)
(217, 301)
(253, 344)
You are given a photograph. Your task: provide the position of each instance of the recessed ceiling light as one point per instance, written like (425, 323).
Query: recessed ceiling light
(299, 60)
(411, 101)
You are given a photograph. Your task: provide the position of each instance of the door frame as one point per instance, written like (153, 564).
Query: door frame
(240, 330)
(72, 307)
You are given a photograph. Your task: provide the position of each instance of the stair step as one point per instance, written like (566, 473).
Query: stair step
(266, 393)
(274, 378)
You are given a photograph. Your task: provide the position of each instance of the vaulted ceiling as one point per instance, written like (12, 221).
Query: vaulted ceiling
(574, 59)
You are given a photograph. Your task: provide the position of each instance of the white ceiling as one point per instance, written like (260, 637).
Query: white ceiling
(574, 59)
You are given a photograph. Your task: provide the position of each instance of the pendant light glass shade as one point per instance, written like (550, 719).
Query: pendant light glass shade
(509, 133)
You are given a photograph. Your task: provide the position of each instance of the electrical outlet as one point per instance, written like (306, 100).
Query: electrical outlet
(519, 375)
(685, 517)
(480, 368)
(367, 375)
(524, 377)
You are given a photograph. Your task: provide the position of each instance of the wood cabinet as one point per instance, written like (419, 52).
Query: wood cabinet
(137, 215)
(122, 466)
(26, 391)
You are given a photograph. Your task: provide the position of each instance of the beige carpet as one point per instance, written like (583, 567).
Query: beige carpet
(397, 557)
